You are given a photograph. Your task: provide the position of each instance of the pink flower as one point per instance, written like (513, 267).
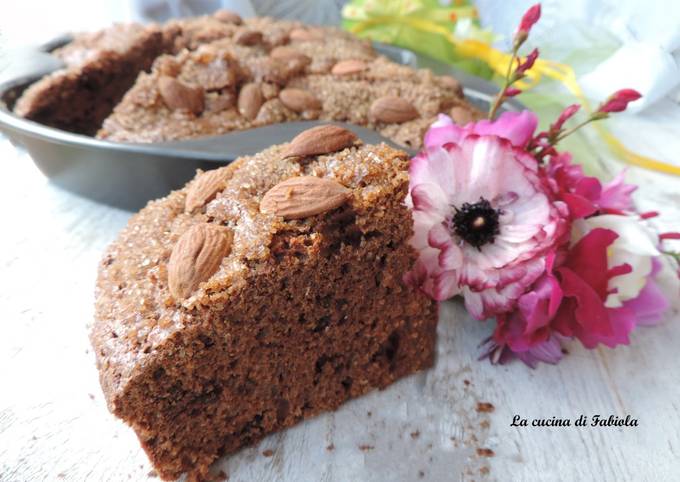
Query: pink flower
(517, 127)
(587, 291)
(529, 19)
(526, 332)
(616, 195)
(483, 220)
(585, 195)
(584, 278)
(619, 100)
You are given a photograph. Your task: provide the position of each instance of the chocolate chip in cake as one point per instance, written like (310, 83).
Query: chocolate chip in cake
(250, 100)
(299, 100)
(392, 109)
(320, 140)
(304, 196)
(178, 95)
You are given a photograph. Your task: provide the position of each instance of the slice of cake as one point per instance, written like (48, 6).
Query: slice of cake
(261, 294)
(100, 68)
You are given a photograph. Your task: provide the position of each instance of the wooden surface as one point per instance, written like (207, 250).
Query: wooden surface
(54, 424)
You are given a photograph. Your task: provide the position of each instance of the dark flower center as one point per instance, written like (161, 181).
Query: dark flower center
(477, 224)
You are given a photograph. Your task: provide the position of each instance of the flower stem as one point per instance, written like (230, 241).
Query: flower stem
(500, 98)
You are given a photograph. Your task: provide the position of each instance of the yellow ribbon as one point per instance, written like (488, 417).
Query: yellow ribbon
(499, 62)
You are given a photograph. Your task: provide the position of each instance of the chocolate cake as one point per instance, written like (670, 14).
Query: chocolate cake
(260, 294)
(231, 74)
(100, 68)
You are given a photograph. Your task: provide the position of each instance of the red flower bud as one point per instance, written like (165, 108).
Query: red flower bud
(511, 92)
(564, 117)
(619, 100)
(528, 62)
(530, 18)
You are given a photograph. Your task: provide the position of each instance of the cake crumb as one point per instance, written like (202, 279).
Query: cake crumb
(369, 414)
(484, 424)
(366, 448)
(268, 453)
(484, 452)
(484, 470)
(421, 474)
(415, 435)
(91, 396)
(152, 473)
(466, 382)
(485, 407)
(330, 447)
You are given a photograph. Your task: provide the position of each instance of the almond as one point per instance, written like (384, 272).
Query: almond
(392, 110)
(304, 34)
(196, 257)
(453, 84)
(304, 196)
(219, 103)
(461, 115)
(250, 100)
(320, 140)
(349, 67)
(227, 16)
(214, 75)
(204, 189)
(177, 95)
(248, 37)
(299, 100)
(288, 54)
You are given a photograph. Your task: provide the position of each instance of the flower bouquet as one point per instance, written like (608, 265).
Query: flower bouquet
(510, 223)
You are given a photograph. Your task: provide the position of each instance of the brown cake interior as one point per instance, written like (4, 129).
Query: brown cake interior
(302, 315)
(79, 97)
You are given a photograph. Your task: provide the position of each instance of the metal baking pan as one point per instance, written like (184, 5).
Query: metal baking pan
(128, 175)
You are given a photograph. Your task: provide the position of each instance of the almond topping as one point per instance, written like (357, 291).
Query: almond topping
(392, 110)
(177, 95)
(453, 84)
(248, 37)
(204, 189)
(288, 54)
(349, 67)
(299, 100)
(461, 115)
(320, 140)
(227, 16)
(304, 34)
(304, 196)
(196, 257)
(250, 100)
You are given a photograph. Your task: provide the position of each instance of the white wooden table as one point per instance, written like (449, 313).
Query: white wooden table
(54, 424)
